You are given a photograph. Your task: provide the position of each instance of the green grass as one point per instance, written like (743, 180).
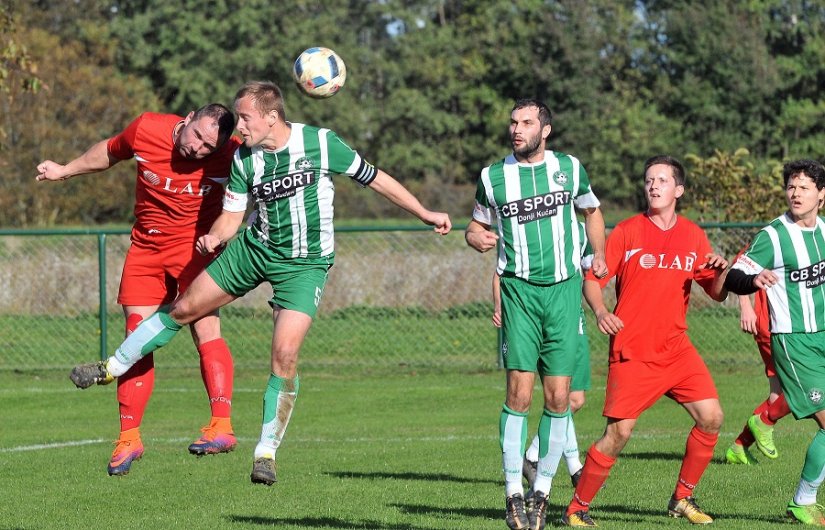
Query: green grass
(405, 451)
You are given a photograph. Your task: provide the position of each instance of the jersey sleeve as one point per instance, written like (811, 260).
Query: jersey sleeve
(121, 146)
(236, 194)
(584, 196)
(758, 256)
(482, 211)
(343, 160)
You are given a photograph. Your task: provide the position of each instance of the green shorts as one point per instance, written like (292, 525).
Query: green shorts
(581, 372)
(800, 364)
(540, 325)
(297, 283)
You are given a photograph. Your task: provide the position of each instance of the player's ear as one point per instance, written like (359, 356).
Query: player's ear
(188, 118)
(545, 132)
(272, 117)
(680, 190)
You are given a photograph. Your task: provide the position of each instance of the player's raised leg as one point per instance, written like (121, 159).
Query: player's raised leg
(201, 298)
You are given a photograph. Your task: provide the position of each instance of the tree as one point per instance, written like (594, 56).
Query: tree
(18, 73)
(87, 100)
(726, 187)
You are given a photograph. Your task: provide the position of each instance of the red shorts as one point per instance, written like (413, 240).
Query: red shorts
(156, 271)
(764, 345)
(763, 331)
(634, 386)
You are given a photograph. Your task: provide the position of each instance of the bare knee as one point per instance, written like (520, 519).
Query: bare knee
(206, 329)
(711, 421)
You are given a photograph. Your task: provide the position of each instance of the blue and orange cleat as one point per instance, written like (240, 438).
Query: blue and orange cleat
(217, 438)
(128, 448)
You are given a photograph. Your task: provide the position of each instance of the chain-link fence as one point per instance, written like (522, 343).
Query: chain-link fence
(396, 297)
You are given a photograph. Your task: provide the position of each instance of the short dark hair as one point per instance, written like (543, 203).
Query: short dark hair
(222, 115)
(810, 168)
(677, 168)
(266, 96)
(544, 111)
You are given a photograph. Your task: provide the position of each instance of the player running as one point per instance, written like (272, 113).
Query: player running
(182, 164)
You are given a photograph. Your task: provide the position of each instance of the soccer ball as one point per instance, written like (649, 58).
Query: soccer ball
(319, 72)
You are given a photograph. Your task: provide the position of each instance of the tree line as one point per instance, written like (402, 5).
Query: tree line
(731, 87)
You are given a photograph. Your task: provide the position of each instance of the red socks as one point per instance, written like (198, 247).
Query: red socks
(698, 453)
(595, 471)
(776, 411)
(217, 371)
(135, 386)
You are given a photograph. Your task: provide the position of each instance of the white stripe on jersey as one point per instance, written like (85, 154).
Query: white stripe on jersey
(804, 260)
(778, 296)
(558, 222)
(257, 158)
(297, 208)
(326, 191)
(513, 192)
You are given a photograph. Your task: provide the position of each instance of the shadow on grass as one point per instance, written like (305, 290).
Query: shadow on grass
(652, 456)
(422, 509)
(321, 522)
(443, 477)
(625, 514)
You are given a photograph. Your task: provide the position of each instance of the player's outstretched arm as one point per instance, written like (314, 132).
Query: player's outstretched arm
(96, 158)
(396, 193)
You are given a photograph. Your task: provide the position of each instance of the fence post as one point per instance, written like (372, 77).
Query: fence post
(102, 316)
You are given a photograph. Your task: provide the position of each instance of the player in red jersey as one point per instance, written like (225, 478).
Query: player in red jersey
(182, 164)
(655, 257)
(755, 319)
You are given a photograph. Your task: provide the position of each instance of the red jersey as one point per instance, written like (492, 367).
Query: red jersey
(174, 195)
(654, 271)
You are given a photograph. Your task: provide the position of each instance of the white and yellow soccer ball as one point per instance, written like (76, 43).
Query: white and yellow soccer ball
(319, 72)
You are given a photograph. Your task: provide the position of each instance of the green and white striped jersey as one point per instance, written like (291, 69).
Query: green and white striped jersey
(540, 238)
(797, 256)
(293, 190)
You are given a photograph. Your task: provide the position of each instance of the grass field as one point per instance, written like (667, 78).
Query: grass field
(403, 451)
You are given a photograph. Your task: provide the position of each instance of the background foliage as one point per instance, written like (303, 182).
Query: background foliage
(430, 87)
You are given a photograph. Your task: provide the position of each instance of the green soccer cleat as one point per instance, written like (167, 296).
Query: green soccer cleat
(86, 375)
(808, 514)
(515, 516)
(763, 434)
(580, 518)
(737, 454)
(263, 471)
(688, 509)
